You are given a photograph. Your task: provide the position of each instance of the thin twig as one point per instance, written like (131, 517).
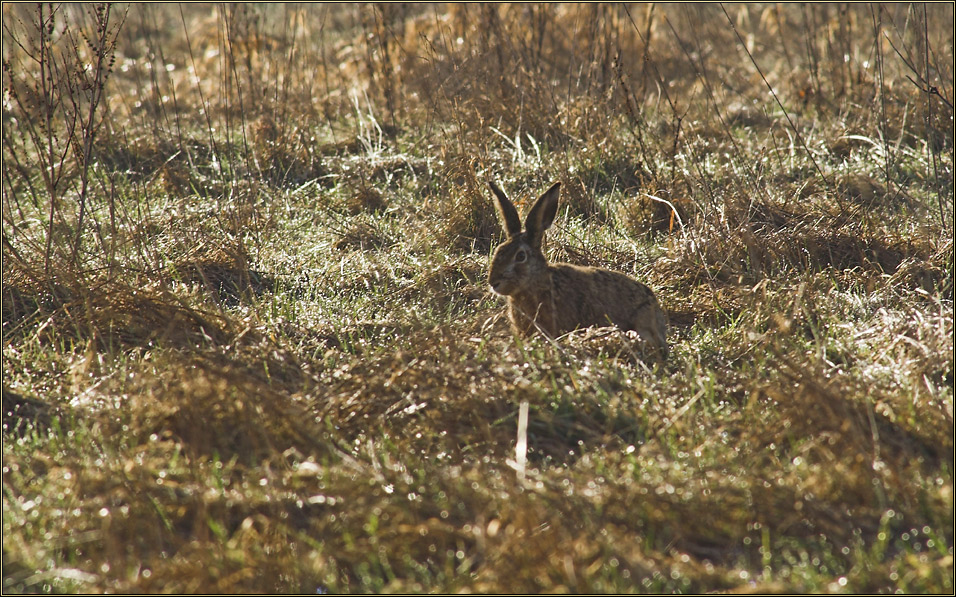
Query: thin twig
(777, 99)
(929, 122)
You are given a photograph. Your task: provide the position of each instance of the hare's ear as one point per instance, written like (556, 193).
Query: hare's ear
(542, 214)
(506, 211)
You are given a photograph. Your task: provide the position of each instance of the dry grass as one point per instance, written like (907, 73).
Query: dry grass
(248, 345)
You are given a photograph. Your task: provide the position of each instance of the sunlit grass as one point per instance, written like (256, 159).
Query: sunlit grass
(272, 362)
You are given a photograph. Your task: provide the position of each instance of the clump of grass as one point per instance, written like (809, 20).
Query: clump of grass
(468, 221)
(223, 271)
(106, 311)
(286, 156)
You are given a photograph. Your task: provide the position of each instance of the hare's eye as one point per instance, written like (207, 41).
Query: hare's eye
(521, 256)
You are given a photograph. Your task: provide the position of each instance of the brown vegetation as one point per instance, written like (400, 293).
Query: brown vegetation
(248, 345)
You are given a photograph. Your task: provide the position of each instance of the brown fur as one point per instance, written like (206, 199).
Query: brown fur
(560, 297)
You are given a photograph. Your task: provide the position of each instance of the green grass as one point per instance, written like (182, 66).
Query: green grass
(271, 362)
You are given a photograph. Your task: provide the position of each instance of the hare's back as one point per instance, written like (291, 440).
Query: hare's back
(598, 295)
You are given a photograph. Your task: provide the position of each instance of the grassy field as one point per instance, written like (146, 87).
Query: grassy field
(248, 343)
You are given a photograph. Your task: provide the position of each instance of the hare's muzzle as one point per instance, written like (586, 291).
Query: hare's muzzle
(497, 285)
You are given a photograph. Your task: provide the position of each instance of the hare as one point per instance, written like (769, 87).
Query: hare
(560, 297)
